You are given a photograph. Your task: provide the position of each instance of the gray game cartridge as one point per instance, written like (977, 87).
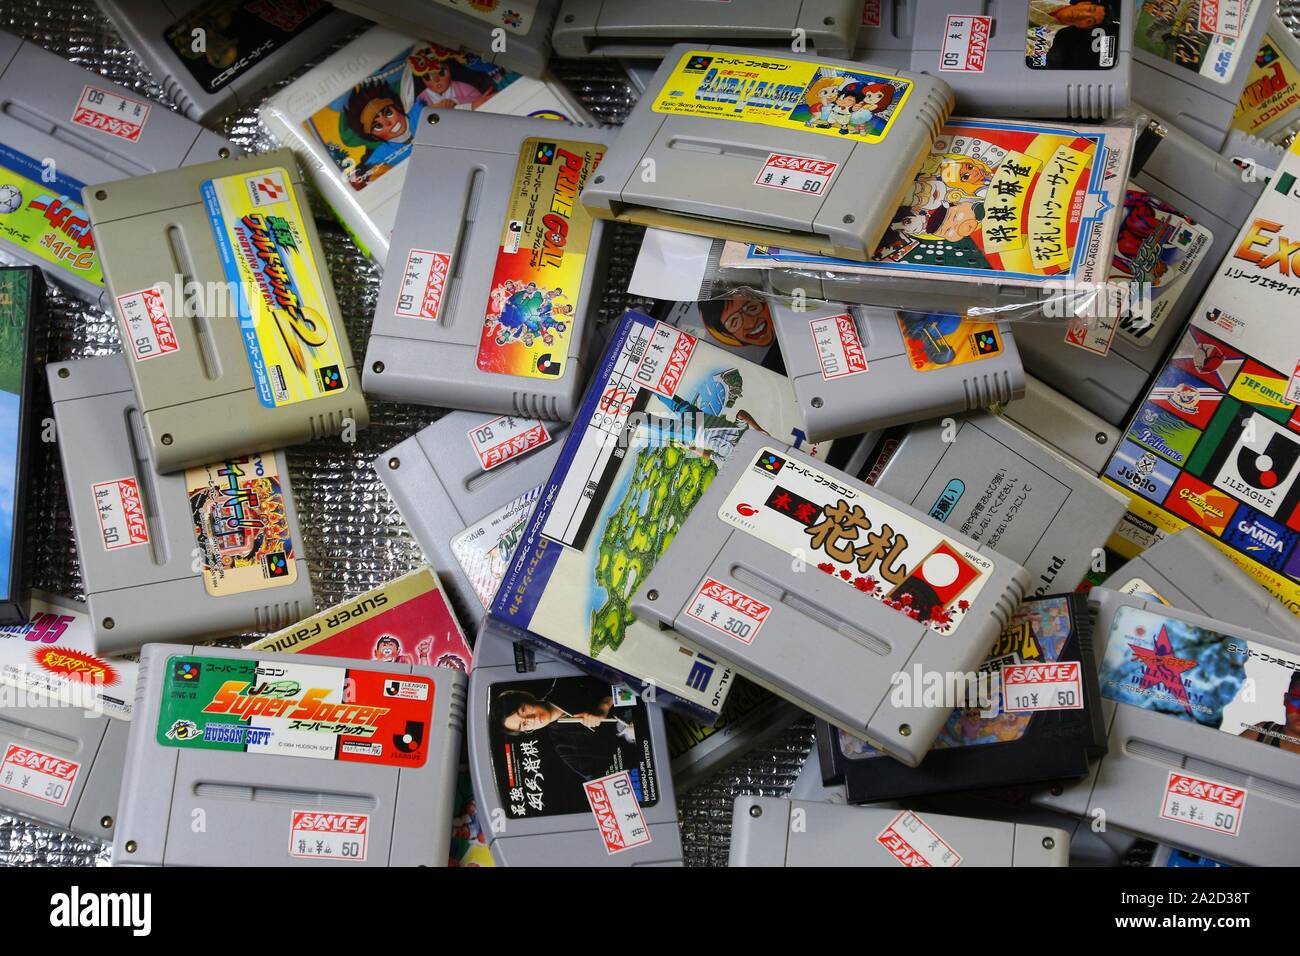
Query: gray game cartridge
(783, 167)
(64, 122)
(62, 766)
(226, 310)
(516, 36)
(1269, 107)
(1067, 426)
(881, 37)
(245, 46)
(769, 831)
(465, 486)
(1193, 61)
(1182, 210)
(1249, 153)
(490, 287)
(616, 28)
(212, 551)
(1015, 57)
(1197, 756)
(859, 368)
(288, 760)
(990, 479)
(1187, 571)
(828, 592)
(556, 755)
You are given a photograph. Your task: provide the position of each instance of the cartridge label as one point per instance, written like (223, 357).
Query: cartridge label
(241, 525)
(315, 835)
(618, 815)
(149, 327)
(782, 93)
(728, 610)
(423, 282)
(1272, 89)
(288, 333)
(1202, 803)
(292, 709)
(935, 340)
(551, 737)
(537, 289)
(1037, 687)
(1197, 35)
(110, 112)
(121, 513)
(1161, 248)
(1203, 676)
(505, 438)
(405, 621)
(965, 44)
(38, 775)
(797, 174)
(845, 532)
(41, 214)
(914, 843)
(238, 35)
(485, 548)
(516, 16)
(1073, 36)
(838, 345)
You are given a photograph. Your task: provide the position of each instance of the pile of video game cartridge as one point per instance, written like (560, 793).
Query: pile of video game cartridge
(965, 419)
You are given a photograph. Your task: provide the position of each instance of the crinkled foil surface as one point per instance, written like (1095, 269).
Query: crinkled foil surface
(355, 538)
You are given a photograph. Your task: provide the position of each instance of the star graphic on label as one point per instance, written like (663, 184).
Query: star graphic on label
(1161, 668)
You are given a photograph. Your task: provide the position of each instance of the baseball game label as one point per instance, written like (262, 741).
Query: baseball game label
(785, 94)
(292, 348)
(241, 525)
(545, 242)
(293, 709)
(857, 539)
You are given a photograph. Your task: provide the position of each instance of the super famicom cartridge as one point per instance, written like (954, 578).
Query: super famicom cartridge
(1186, 571)
(1269, 107)
(211, 551)
(465, 486)
(1180, 213)
(616, 28)
(859, 368)
(1203, 729)
(1071, 430)
(351, 121)
(246, 758)
(1257, 157)
(831, 593)
(63, 127)
(662, 409)
(769, 831)
(979, 225)
(881, 36)
(226, 310)
(573, 770)
(1032, 716)
(741, 144)
(212, 57)
(515, 36)
(490, 288)
(1017, 57)
(22, 306)
(62, 766)
(996, 483)
(1193, 60)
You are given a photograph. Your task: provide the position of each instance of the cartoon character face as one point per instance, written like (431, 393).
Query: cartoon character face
(384, 120)
(387, 649)
(439, 78)
(748, 319)
(958, 222)
(963, 172)
(872, 99)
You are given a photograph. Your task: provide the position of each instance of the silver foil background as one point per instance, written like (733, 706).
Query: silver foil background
(354, 537)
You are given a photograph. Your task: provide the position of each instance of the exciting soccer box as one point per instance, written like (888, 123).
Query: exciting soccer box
(1216, 443)
(661, 410)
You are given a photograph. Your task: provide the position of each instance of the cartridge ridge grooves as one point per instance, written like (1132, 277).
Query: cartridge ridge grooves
(457, 708)
(530, 405)
(1155, 753)
(272, 617)
(1008, 601)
